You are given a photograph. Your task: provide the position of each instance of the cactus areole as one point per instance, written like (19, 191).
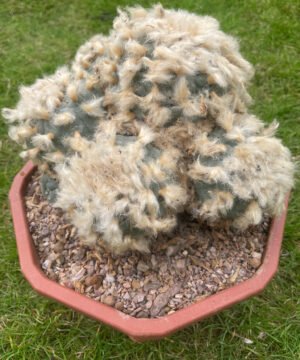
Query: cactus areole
(148, 122)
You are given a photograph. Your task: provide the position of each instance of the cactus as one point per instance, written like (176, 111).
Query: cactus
(132, 198)
(160, 104)
(138, 73)
(53, 123)
(243, 180)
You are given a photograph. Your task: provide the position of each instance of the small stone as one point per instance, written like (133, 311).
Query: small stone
(79, 274)
(78, 286)
(126, 296)
(172, 250)
(45, 232)
(46, 264)
(68, 284)
(242, 272)
(80, 254)
(52, 257)
(114, 293)
(162, 300)
(90, 268)
(127, 272)
(153, 285)
(153, 261)
(235, 275)
(256, 255)
(58, 247)
(139, 298)
(99, 292)
(108, 300)
(255, 263)
(135, 311)
(60, 260)
(212, 250)
(93, 280)
(36, 199)
(178, 296)
(142, 314)
(126, 285)
(150, 297)
(142, 266)
(119, 305)
(135, 284)
(52, 276)
(163, 268)
(164, 288)
(196, 260)
(148, 304)
(181, 264)
(110, 278)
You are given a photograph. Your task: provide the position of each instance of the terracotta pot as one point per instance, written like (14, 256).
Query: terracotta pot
(137, 329)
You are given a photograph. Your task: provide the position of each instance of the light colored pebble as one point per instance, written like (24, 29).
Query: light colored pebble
(108, 300)
(148, 304)
(135, 284)
(110, 278)
(142, 266)
(181, 264)
(139, 298)
(255, 263)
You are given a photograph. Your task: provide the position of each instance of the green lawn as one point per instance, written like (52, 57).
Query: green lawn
(35, 38)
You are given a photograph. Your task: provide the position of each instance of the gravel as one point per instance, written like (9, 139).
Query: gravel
(190, 264)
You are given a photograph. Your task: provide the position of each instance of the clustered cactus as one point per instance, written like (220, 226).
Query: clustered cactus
(148, 122)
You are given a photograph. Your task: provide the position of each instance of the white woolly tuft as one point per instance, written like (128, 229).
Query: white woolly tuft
(93, 107)
(146, 135)
(54, 157)
(77, 142)
(44, 142)
(30, 154)
(175, 196)
(20, 133)
(64, 118)
(10, 115)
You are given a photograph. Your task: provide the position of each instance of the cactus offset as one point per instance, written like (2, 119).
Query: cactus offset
(131, 197)
(152, 120)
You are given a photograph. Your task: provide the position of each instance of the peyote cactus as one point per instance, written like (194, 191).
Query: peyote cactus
(151, 121)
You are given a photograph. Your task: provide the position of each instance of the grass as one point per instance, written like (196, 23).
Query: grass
(36, 37)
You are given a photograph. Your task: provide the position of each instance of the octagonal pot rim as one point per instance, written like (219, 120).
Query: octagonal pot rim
(138, 329)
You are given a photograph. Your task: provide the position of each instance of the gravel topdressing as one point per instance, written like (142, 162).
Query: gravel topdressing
(183, 267)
